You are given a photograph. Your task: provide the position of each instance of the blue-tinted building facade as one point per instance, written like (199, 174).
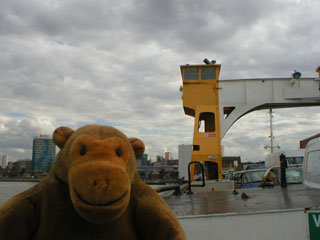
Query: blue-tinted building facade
(43, 152)
(142, 160)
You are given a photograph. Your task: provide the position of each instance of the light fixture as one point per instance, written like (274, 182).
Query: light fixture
(296, 74)
(206, 61)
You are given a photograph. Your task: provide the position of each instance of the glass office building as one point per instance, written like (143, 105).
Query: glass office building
(43, 153)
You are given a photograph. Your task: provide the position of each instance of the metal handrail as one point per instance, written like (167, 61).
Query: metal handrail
(176, 189)
(189, 179)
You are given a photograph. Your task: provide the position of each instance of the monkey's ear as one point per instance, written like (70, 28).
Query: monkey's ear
(61, 136)
(138, 146)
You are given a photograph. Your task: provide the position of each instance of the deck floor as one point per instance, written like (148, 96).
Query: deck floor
(260, 200)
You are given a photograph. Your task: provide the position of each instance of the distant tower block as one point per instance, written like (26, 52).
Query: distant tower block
(168, 156)
(43, 152)
(4, 163)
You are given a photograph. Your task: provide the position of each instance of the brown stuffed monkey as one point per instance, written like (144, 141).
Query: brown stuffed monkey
(93, 191)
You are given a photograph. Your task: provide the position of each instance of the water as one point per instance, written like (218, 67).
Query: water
(9, 189)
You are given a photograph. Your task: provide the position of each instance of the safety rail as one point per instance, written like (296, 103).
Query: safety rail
(189, 178)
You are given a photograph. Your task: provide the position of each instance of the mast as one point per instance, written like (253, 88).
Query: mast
(271, 131)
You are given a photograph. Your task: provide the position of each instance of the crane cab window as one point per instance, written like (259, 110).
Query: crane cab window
(206, 122)
(191, 74)
(208, 73)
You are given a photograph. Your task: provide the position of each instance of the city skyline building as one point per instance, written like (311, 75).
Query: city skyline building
(24, 163)
(168, 156)
(43, 152)
(142, 160)
(4, 162)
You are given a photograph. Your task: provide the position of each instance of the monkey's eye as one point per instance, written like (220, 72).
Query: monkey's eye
(83, 150)
(118, 152)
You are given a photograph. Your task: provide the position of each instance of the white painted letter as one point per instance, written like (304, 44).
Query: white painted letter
(316, 221)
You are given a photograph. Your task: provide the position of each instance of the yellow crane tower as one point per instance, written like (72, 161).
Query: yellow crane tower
(201, 101)
(216, 104)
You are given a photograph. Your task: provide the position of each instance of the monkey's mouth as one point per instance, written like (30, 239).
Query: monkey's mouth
(110, 203)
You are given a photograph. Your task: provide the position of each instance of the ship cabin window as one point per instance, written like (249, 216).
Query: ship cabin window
(191, 74)
(313, 166)
(206, 122)
(208, 73)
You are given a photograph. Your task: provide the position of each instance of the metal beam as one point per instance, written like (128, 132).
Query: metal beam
(242, 96)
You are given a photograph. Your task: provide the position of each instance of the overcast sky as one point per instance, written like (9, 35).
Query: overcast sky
(80, 62)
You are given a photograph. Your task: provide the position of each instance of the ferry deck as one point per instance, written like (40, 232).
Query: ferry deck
(278, 212)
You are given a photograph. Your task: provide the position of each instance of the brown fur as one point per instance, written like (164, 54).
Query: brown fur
(92, 192)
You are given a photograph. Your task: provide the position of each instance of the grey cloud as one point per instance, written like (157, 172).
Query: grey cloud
(71, 63)
(18, 134)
